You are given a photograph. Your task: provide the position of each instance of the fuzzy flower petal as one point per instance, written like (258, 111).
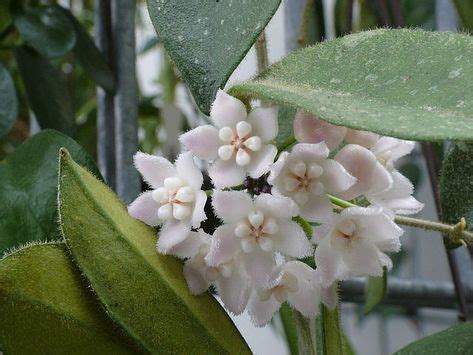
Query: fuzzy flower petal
(188, 170)
(171, 234)
(264, 122)
(153, 169)
(262, 160)
(364, 138)
(234, 292)
(145, 208)
(224, 245)
(226, 173)
(292, 241)
(226, 110)
(231, 206)
(203, 141)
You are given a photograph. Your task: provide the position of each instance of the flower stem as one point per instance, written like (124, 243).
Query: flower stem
(261, 52)
(286, 144)
(457, 232)
(305, 334)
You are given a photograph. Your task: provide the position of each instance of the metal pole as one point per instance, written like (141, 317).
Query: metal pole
(126, 99)
(105, 112)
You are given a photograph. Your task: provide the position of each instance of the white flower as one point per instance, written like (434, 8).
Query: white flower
(239, 144)
(232, 286)
(306, 176)
(176, 201)
(364, 138)
(254, 230)
(310, 129)
(353, 244)
(292, 282)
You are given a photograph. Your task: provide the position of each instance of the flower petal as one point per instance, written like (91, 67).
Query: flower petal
(292, 241)
(261, 312)
(194, 273)
(277, 167)
(226, 173)
(234, 292)
(329, 296)
(364, 138)
(310, 129)
(226, 110)
(277, 206)
(231, 206)
(258, 266)
(310, 152)
(317, 209)
(261, 161)
(145, 208)
(396, 148)
(202, 141)
(224, 245)
(264, 122)
(191, 245)
(188, 171)
(153, 169)
(335, 177)
(362, 260)
(329, 262)
(198, 214)
(171, 234)
(305, 300)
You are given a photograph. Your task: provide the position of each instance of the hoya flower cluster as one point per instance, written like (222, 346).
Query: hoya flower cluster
(254, 258)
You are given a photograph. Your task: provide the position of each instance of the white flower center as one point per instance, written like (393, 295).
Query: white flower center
(346, 229)
(280, 292)
(238, 143)
(176, 199)
(385, 159)
(302, 179)
(255, 230)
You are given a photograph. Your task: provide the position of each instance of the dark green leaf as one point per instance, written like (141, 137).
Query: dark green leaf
(89, 56)
(8, 102)
(456, 187)
(46, 29)
(457, 340)
(5, 17)
(143, 292)
(375, 291)
(285, 121)
(423, 92)
(47, 91)
(208, 39)
(46, 308)
(465, 12)
(28, 189)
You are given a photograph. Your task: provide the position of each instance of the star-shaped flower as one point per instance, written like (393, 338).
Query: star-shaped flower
(239, 144)
(176, 201)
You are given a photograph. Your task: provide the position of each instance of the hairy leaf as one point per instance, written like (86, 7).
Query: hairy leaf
(456, 340)
(208, 39)
(8, 102)
(88, 55)
(28, 188)
(46, 309)
(46, 90)
(456, 188)
(143, 292)
(46, 29)
(375, 291)
(423, 92)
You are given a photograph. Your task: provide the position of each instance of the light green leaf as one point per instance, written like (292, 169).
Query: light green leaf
(46, 29)
(208, 39)
(88, 55)
(46, 90)
(8, 102)
(423, 92)
(465, 13)
(144, 292)
(28, 188)
(46, 308)
(375, 291)
(457, 340)
(456, 188)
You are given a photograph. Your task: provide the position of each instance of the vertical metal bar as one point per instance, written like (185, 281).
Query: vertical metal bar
(126, 99)
(105, 111)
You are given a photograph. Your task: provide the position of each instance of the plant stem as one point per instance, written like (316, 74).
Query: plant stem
(261, 52)
(305, 334)
(457, 231)
(286, 144)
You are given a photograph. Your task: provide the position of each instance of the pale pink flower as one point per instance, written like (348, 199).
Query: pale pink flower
(354, 243)
(310, 129)
(306, 176)
(176, 201)
(364, 138)
(238, 144)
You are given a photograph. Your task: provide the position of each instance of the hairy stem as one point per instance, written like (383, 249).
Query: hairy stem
(305, 334)
(261, 52)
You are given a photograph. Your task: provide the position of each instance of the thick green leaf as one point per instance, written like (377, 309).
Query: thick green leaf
(89, 56)
(8, 102)
(28, 188)
(465, 12)
(423, 92)
(5, 17)
(285, 122)
(208, 39)
(375, 291)
(47, 91)
(143, 291)
(286, 313)
(46, 29)
(46, 308)
(457, 340)
(456, 187)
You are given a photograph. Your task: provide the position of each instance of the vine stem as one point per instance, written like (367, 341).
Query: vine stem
(458, 231)
(261, 52)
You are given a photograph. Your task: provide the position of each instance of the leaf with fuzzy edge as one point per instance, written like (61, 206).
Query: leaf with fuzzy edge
(144, 292)
(423, 92)
(375, 291)
(28, 188)
(208, 39)
(46, 308)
